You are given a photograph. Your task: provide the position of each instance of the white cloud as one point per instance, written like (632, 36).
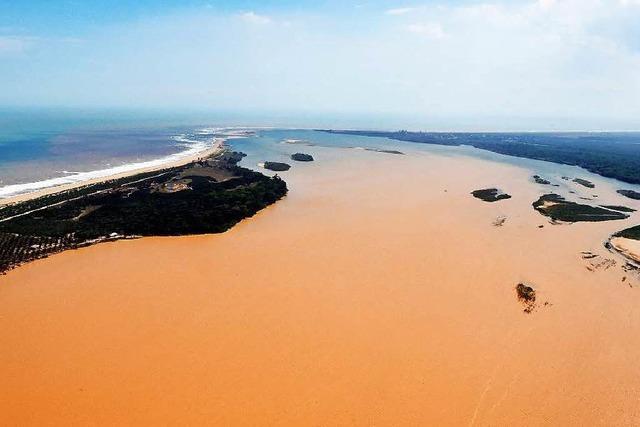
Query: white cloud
(501, 58)
(546, 4)
(400, 11)
(253, 18)
(431, 30)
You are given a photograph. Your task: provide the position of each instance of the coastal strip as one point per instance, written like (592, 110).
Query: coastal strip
(49, 187)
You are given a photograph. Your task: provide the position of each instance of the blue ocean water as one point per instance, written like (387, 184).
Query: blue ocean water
(48, 147)
(58, 145)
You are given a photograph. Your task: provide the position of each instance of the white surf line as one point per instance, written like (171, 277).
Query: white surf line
(196, 148)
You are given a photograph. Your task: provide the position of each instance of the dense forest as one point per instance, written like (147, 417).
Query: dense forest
(613, 155)
(558, 209)
(630, 233)
(209, 196)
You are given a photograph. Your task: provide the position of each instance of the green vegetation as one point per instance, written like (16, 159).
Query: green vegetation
(301, 157)
(629, 233)
(202, 197)
(584, 182)
(630, 194)
(490, 195)
(539, 180)
(559, 209)
(276, 166)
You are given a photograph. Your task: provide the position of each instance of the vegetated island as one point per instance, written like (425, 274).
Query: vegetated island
(610, 155)
(627, 243)
(490, 195)
(302, 157)
(206, 196)
(584, 182)
(630, 194)
(276, 166)
(559, 209)
(540, 180)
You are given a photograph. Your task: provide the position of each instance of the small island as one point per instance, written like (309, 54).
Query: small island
(540, 180)
(627, 243)
(584, 182)
(631, 194)
(490, 195)
(301, 157)
(276, 166)
(379, 150)
(559, 209)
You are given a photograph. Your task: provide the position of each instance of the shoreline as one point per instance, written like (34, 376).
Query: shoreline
(216, 148)
(628, 248)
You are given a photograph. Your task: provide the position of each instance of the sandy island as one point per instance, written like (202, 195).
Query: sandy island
(363, 298)
(628, 247)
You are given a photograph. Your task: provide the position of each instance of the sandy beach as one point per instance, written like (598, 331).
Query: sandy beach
(378, 292)
(216, 148)
(629, 247)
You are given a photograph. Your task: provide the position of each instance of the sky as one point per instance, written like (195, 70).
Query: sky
(530, 64)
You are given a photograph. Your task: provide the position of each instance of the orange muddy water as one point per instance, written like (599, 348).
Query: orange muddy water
(379, 292)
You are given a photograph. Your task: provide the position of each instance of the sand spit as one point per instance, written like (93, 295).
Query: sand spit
(216, 148)
(628, 247)
(363, 298)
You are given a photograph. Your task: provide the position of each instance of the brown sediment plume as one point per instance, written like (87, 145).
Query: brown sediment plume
(363, 298)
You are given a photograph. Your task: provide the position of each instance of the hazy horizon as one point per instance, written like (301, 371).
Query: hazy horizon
(547, 65)
(51, 118)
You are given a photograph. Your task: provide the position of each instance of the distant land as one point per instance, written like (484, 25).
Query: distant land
(612, 157)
